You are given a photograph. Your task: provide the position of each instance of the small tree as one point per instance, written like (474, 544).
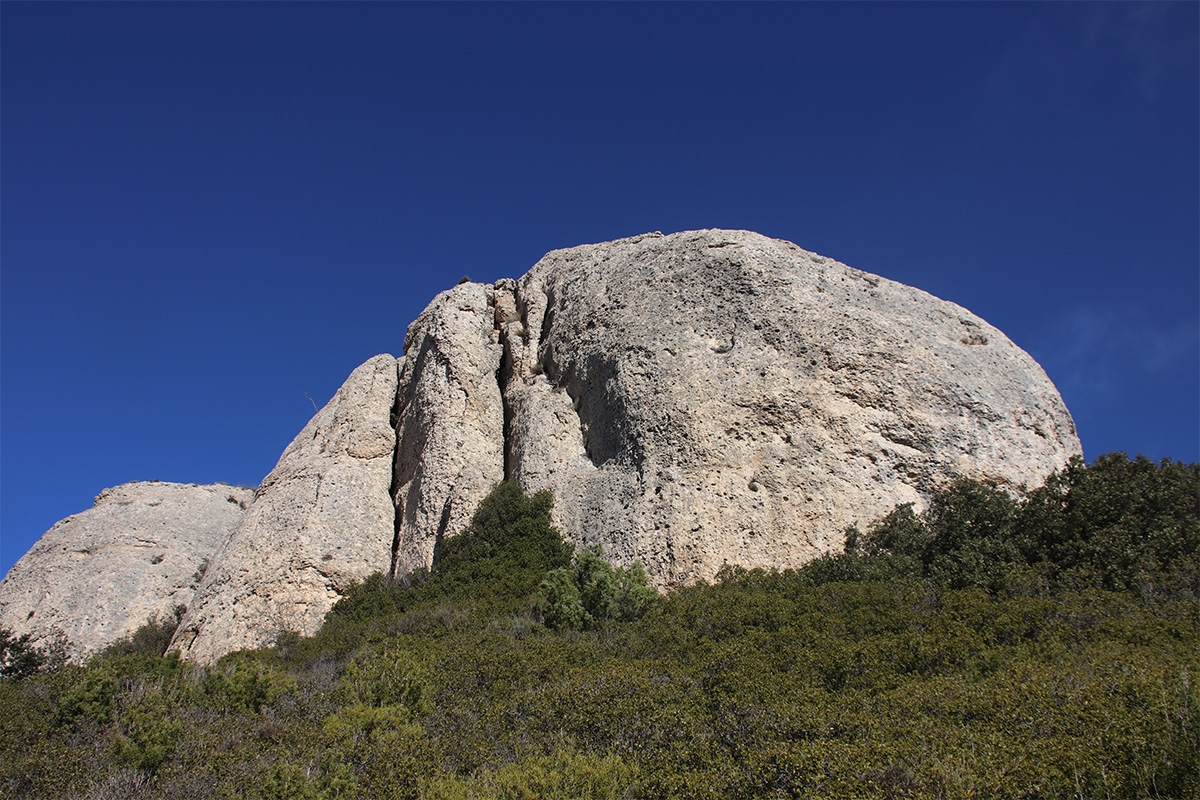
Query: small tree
(591, 591)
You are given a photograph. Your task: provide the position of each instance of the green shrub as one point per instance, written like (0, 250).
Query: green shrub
(242, 683)
(19, 658)
(500, 559)
(146, 735)
(1118, 524)
(591, 591)
(150, 639)
(563, 773)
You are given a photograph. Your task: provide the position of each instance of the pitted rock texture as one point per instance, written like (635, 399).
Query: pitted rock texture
(322, 519)
(449, 420)
(717, 397)
(137, 554)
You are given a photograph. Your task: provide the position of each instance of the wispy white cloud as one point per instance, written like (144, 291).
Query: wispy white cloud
(1096, 353)
(1064, 44)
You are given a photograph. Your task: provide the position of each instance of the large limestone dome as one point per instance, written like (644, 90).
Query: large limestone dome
(717, 397)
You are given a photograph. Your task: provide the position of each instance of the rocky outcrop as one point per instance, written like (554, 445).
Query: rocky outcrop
(449, 422)
(137, 554)
(691, 400)
(718, 396)
(322, 519)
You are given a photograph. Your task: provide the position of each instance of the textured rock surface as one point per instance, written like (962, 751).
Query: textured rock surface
(137, 553)
(718, 396)
(321, 519)
(449, 420)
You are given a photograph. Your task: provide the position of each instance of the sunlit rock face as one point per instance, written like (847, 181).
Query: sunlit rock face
(717, 397)
(137, 554)
(705, 398)
(320, 520)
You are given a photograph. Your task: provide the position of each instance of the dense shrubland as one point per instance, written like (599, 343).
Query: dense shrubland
(1044, 646)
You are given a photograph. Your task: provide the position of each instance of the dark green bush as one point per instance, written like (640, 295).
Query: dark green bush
(1118, 524)
(19, 658)
(591, 591)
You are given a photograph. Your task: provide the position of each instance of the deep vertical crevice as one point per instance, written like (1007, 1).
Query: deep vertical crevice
(443, 523)
(394, 419)
(398, 505)
(503, 376)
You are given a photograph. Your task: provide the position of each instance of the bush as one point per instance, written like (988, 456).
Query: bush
(242, 683)
(19, 658)
(501, 557)
(590, 592)
(150, 639)
(1118, 524)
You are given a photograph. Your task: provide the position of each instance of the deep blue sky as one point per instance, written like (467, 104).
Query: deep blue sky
(209, 210)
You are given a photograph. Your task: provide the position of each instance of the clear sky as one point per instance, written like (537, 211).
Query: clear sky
(212, 212)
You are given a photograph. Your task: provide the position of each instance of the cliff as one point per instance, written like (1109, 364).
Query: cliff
(691, 400)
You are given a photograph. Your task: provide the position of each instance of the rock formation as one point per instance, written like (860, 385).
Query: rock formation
(718, 396)
(449, 421)
(691, 400)
(321, 519)
(137, 554)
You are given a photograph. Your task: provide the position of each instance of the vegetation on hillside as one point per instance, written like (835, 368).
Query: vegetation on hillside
(1033, 647)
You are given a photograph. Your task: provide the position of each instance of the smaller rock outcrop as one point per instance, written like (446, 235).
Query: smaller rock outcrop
(322, 519)
(449, 420)
(137, 554)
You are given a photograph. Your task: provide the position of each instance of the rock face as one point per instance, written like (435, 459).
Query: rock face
(449, 421)
(691, 400)
(321, 519)
(718, 396)
(137, 554)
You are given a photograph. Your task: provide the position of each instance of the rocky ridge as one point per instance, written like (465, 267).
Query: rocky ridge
(691, 400)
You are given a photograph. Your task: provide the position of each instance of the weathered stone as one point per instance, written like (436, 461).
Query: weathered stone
(322, 519)
(449, 420)
(136, 555)
(718, 396)
(691, 400)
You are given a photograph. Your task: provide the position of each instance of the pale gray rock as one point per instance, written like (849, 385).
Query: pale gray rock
(449, 419)
(322, 519)
(717, 397)
(693, 400)
(136, 555)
